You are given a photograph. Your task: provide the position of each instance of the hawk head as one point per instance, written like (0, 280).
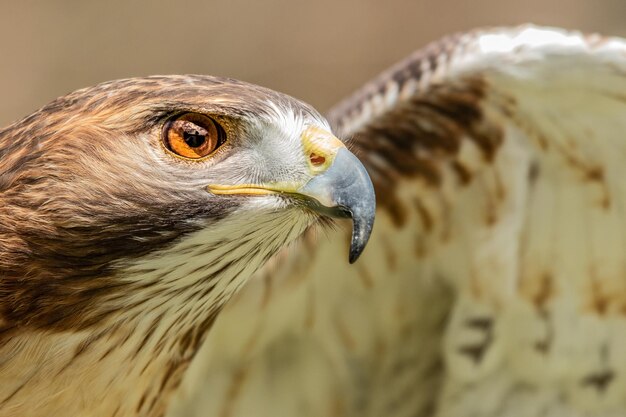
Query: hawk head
(167, 190)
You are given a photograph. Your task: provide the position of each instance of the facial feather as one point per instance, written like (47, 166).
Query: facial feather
(114, 258)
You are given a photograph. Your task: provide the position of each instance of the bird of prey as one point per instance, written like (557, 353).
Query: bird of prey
(130, 212)
(494, 283)
(142, 221)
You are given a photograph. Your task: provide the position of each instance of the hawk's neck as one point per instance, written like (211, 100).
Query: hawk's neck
(130, 356)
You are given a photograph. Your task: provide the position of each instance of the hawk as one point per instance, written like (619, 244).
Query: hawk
(494, 283)
(131, 212)
(134, 212)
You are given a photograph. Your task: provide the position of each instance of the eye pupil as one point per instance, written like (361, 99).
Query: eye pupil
(194, 139)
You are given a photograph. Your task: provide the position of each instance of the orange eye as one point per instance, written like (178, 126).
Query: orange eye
(193, 135)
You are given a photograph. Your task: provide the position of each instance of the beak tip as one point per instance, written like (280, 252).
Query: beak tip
(361, 231)
(354, 255)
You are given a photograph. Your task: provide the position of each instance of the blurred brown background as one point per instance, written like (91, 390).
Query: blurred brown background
(317, 51)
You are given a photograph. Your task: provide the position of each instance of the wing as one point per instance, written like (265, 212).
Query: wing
(495, 280)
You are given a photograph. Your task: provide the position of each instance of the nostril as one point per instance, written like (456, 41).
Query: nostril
(316, 159)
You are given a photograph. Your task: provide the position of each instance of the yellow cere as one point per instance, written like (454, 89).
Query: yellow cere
(320, 147)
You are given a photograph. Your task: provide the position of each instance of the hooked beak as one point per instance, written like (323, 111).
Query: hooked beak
(345, 190)
(340, 186)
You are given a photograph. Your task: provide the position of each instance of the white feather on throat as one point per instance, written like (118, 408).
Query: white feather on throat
(221, 257)
(173, 293)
